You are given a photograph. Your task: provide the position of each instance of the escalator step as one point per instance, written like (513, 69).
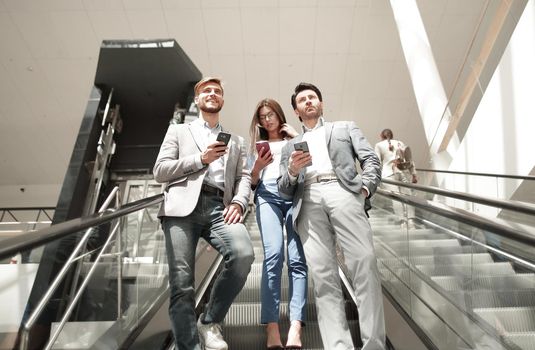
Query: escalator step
(510, 319)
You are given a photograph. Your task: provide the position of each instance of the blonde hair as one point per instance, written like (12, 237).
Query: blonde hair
(206, 80)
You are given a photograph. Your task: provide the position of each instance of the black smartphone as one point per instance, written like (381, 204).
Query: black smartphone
(301, 146)
(224, 137)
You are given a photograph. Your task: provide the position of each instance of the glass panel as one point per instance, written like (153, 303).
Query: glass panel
(465, 287)
(125, 283)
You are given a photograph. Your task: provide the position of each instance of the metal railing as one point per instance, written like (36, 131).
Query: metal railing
(59, 278)
(12, 246)
(521, 207)
(505, 176)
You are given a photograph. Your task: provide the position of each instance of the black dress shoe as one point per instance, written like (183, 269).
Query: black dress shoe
(275, 347)
(296, 347)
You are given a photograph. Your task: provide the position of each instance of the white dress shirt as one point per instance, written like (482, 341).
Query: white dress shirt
(216, 170)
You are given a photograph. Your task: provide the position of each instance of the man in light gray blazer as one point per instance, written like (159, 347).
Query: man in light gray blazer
(328, 205)
(208, 187)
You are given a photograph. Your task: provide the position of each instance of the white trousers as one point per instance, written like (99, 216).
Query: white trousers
(330, 213)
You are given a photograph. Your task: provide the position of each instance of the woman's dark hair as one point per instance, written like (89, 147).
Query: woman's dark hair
(305, 86)
(387, 134)
(256, 132)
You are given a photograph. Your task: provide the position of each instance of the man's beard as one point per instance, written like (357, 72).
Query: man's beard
(207, 109)
(317, 113)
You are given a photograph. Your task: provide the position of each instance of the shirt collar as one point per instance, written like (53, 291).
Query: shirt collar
(319, 124)
(204, 124)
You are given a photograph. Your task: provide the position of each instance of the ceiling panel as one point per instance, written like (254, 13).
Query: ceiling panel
(298, 3)
(332, 105)
(259, 3)
(180, 4)
(187, 28)
(336, 3)
(349, 48)
(338, 37)
(79, 27)
(103, 5)
(223, 31)
(142, 5)
(260, 30)
(147, 24)
(382, 40)
(398, 82)
(30, 81)
(39, 33)
(220, 3)
(297, 30)
(15, 110)
(40, 6)
(10, 37)
(109, 25)
(329, 72)
(262, 78)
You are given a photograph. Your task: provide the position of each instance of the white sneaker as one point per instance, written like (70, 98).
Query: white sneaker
(210, 336)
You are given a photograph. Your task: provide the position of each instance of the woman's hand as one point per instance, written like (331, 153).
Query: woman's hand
(288, 130)
(263, 160)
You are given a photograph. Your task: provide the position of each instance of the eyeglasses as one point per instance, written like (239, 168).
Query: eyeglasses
(270, 115)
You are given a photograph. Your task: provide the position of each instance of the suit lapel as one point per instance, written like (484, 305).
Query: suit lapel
(328, 132)
(197, 137)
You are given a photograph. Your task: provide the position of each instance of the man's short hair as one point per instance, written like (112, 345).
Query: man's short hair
(305, 86)
(204, 81)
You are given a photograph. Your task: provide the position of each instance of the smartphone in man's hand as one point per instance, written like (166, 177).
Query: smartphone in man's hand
(302, 146)
(262, 147)
(223, 137)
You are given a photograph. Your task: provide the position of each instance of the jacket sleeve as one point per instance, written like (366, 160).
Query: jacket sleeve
(367, 158)
(170, 165)
(242, 184)
(285, 186)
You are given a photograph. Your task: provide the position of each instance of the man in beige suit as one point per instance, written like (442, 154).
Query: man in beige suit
(206, 196)
(328, 197)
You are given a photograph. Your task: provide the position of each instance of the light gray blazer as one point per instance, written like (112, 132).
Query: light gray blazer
(346, 145)
(176, 164)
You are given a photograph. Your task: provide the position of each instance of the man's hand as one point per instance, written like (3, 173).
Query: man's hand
(233, 214)
(213, 152)
(298, 160)
(414, 179)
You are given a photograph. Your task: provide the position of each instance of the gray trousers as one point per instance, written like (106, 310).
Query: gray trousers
(330, 213)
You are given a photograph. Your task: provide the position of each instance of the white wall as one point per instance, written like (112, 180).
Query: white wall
(500, 136)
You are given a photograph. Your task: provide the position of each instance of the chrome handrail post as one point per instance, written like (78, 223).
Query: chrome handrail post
(119, 266)
(48, 294)
(80, 291)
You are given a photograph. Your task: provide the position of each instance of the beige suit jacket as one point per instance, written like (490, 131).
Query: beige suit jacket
(178, 164)
(346, 145)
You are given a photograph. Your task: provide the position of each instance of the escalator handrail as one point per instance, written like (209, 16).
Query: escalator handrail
(464, 216)
(26, 241)
(505, 176)
(520, 207)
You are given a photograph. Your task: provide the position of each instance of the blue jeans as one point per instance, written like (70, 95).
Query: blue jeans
(181, 237)
(272, 215)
